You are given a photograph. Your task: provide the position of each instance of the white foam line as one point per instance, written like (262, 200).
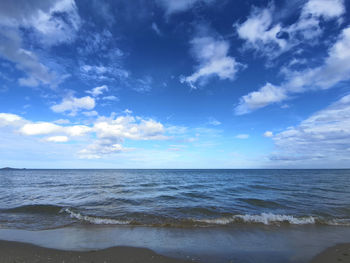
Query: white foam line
(95, 220)
(264, 218)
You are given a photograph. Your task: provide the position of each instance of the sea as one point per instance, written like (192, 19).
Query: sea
(184, 201)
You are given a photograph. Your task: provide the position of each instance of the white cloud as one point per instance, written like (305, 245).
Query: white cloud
(73, 105)
(40, 128)
(335, 69)
(259, 33)
(107, 133)
(213, 58)
(258, 99)
(95, 92)
(76, 130)
(111, 132)
(57, 139)
(268, 134)
(263, 33)
(46, 20)
(325, 8)
(45, 128)
(129, 127)
(9, 119)
(242, 136)
(176, 6)
(323, 137)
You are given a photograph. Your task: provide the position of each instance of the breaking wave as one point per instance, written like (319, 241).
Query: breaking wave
(93, 219)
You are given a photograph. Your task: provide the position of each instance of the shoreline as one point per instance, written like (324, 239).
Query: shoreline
(11, 251)
(334, 254)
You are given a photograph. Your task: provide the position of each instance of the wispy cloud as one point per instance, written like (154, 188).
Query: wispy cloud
(271, 38)
(242, 136)
(156, 29)
(53, 22)
(172, 7)
(335, 68)
(323, 137)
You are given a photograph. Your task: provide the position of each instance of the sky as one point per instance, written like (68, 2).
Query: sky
(175, 84)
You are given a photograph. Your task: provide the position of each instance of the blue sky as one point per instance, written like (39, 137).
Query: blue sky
(175, 84)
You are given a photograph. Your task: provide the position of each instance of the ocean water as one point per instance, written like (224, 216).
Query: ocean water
(49, 199)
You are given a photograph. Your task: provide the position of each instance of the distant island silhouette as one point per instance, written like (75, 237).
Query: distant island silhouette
(11, 168)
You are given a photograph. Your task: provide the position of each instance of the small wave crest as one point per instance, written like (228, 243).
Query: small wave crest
(264, 218)
(93, 219)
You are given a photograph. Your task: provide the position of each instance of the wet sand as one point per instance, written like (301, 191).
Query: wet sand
(17, 252)
(336, 254)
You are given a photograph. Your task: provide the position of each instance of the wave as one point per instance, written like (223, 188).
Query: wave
(264, 218)
(173, 221)
(93, 219)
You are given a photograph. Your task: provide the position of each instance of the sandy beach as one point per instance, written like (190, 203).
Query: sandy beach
(335, 254)
(17, 252)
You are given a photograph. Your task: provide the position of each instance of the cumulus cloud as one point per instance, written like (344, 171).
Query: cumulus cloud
(73, 105)
(335, 69)
(103, 136)
(212, 56)
(177, 6)
(53, 22)
(129, 127)
(263, 33)
(45, 128)
(324, 136)
(268, 134)
(9, 119)
(111, 132)
(325, 8)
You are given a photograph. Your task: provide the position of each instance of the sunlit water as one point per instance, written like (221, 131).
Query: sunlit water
(44, 199)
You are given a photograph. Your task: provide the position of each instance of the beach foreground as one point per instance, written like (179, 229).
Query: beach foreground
(18, 252)
(338, 253)
(22, 252)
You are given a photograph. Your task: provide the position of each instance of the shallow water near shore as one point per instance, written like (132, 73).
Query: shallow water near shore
(287, 244)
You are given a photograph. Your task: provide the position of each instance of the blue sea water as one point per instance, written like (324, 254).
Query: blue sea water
(46, 199)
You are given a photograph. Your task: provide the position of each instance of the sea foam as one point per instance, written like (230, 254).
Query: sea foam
(94, 220)
(264, 218)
